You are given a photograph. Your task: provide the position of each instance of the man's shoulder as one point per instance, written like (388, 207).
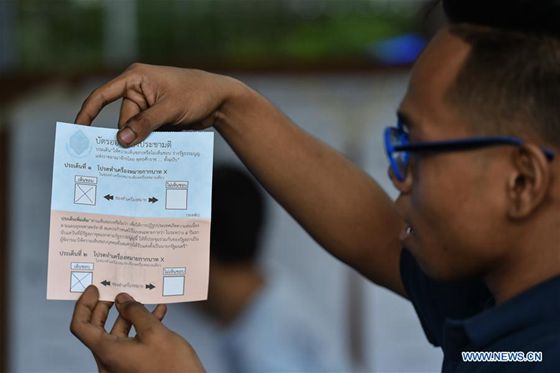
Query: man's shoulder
(543, 337)
(539, 343)
(550, 348)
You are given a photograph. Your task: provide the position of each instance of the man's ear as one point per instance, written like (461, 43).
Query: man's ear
(529, 182)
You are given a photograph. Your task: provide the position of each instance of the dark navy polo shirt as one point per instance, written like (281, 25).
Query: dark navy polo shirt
(461, 316)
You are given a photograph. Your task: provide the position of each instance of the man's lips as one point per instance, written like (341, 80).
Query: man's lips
(406, 232)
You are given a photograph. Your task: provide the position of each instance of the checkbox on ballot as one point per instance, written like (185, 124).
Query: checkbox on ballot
(79, 281)
(84, 194)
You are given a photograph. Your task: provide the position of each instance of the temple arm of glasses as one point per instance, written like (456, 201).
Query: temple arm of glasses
(472, 143)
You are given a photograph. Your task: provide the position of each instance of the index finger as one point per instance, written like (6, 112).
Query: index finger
(81, 325)
(101, 97)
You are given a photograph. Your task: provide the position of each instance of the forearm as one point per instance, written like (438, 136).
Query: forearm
(342, 208)
(337, 203)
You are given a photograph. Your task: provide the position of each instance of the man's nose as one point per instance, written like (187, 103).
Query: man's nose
(402, 186)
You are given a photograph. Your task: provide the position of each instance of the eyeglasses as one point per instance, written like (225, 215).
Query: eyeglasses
(398, 147)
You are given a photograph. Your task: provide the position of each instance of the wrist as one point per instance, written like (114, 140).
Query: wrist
(237, 101)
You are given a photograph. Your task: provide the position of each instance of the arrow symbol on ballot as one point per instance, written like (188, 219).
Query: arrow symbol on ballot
(150, 286)
(105, 283)
(108, 197)
(152, 199)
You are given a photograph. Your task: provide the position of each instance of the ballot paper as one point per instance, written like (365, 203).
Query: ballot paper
(134, 220)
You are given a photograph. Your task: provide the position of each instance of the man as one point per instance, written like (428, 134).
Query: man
(473, 157)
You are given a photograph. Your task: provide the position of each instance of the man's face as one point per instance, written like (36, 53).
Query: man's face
(454, 202)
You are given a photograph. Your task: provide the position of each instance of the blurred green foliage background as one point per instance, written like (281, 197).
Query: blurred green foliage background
(73, 35)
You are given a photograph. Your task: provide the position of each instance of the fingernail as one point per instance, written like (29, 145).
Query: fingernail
(127, 135)
(123, 298)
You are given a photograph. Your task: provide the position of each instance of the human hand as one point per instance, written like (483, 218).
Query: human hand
(157, 95)
(154, 348)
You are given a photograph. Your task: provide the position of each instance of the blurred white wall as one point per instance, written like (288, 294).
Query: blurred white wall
(346, 111)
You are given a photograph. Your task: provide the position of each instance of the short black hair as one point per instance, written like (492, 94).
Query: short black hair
(510, 81)
(534, 16)
(238, 213)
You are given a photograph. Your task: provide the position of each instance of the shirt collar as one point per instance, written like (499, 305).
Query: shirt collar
(539, 304)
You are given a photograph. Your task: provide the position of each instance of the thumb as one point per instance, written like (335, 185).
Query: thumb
(143, 320)
(142, 124)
